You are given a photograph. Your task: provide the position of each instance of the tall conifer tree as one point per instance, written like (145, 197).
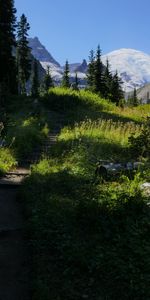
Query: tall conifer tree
(98, 77)
(23, 54)
(7, 42)
(107, 81)
(35, 80)
(116, 89)
(48, 81)
(66, 80)
(91, 71)
(135, 99)
(76, 85)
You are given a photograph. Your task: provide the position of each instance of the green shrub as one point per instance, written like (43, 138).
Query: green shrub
(140, 144)
(7, 160)
(28, 136)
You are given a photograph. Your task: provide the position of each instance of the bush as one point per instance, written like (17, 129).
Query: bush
(7, 160)
(27, 137)
(140, 145)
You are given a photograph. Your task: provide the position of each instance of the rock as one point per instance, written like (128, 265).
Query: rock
(146, 188)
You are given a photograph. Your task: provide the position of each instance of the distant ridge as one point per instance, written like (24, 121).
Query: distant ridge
(46, 59)
(40, 52)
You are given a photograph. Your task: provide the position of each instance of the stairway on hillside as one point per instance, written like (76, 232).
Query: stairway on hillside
(17, 176)
(52, 136)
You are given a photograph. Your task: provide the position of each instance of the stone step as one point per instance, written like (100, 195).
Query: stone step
(19, 172)
(52, 138)
(12, 180)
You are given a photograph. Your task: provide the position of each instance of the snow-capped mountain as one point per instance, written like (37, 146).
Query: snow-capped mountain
(143, 93)
(133, 67)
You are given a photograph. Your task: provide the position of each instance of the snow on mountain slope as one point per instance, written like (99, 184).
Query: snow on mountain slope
(56, 71)
(73, 67)
(133, 67)
(46, 59)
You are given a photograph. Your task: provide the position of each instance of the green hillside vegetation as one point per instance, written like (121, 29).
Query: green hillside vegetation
(24, 131)
(90, 240)
(89, 235)
(82, 104)
(85, 114)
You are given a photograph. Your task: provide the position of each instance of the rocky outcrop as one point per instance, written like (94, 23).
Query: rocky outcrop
(40, 52)
(83, 67)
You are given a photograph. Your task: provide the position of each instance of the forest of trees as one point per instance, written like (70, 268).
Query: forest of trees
(17, 64)
(15, 52)
(101, 80)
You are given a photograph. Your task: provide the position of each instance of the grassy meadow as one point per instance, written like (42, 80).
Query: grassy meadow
(90, 240)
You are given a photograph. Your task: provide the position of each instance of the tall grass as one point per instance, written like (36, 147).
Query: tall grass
(83, 103)
(102, 129)
(138, 113)
(102, 139)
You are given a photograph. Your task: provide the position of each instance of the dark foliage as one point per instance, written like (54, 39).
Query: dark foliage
(48, 81)
(66, 80)
(35, 80)
(140, 145)
(87, 244)
(91, 71)
(8, 81)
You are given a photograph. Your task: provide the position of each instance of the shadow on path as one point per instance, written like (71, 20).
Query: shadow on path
(14, 252)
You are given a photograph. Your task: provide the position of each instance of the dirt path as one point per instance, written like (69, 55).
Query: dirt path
(14, 255)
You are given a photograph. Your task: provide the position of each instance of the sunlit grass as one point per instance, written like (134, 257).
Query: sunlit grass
(101, 130)
(139, 113)
(7, 160)
(84, 103)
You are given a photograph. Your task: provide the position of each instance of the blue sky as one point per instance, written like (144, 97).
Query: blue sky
(71, 28)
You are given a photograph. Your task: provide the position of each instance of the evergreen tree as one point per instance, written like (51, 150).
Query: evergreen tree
(48, 81)
(35, 80)
(76, 84)
(98, 74)
(91, 71)
(116, 89)
(66, 80)
(140, 145)
(23, 54)
(107, 81)
(8, 82)
(135, 99)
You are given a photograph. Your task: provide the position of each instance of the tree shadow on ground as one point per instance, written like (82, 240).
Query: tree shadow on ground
(94, 240)
(76, 110)
(94, 149)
